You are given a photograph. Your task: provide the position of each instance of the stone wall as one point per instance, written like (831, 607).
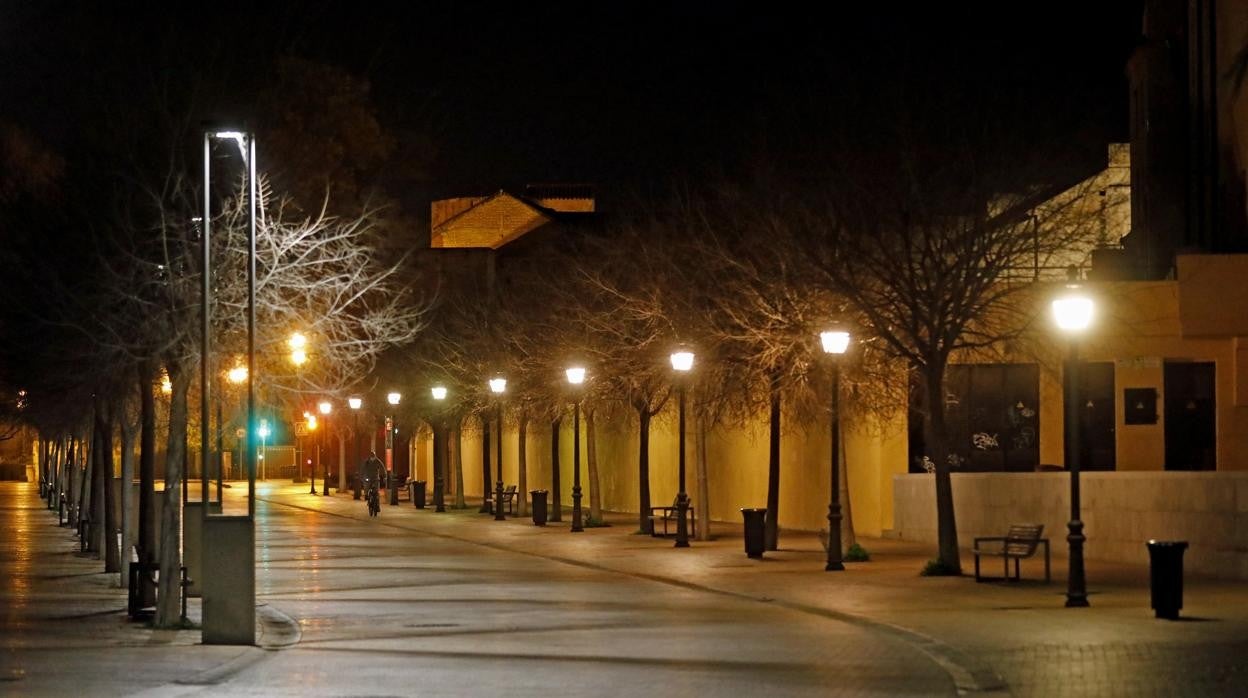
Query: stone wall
(1121, 510)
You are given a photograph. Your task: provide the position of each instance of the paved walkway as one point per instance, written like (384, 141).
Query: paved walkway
(457, 603)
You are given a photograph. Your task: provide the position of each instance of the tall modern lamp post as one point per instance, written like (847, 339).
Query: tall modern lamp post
(325, 408)
(1073, 311)
(311, 423)
(576, 378)
(230, 593)
(439, 449)
(498, 385)
(682, 363)
(299, 356)
(263, 433)
(393, 399)
(355, 404)
(835, 343)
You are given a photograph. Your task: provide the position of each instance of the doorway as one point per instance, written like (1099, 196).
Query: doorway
(1190, 413)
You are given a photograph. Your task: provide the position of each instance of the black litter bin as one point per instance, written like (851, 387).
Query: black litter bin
(755, 524)
(1166, 576)
(418, 493)
(539, 506)
(391, 487)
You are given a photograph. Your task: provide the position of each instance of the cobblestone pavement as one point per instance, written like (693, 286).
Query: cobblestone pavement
(416, 602)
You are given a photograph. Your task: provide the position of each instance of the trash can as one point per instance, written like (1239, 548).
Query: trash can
(1166, 576)
(755, 524)
(392, 490)
(355, 486)
(539, 506)
(418, 493)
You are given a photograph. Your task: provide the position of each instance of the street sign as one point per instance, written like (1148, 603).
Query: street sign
(301, 430)
(240, 433)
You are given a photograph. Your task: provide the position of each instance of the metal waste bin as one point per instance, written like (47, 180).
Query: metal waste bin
(392, 489)
(755, 525)
(1166, 576)
(539, 506)
(418, 493)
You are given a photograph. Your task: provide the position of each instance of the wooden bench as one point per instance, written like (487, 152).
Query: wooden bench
(1020, 542)
(509, 499)
(666, 514)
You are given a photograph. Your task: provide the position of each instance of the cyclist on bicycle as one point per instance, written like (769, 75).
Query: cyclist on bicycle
(372, 472)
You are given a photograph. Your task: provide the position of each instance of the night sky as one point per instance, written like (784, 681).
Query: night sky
(624, 95)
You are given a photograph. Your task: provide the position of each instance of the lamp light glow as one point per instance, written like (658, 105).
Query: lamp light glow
(355, 402)
(1073, 311)
(682, 360)
(237, 375)
(498, 385)
(325, 407)
(439, 392)
(393, 398)
(263, 432)
(576, 375)
(834, 341)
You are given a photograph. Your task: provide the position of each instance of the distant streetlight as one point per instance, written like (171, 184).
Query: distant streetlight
(237, 375)
(298, 349)
(1073, 312)
(166, 385)
(576, 378)
(439, 449)
(498, 385)
(682, 363)
(835, 343)
(393, 398)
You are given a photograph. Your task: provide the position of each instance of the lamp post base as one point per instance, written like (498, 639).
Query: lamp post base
(835, 557)
(682, 520)
(1076, 582)
(577, 526)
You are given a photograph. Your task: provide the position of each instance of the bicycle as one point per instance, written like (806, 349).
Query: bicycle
(374, 499)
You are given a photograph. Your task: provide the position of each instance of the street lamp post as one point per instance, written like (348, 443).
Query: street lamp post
(298, 345)
(439, 449)
(263, 433)
(576, 378)
(682, 363)
(497, 386)
(393, 399)
(325, 407)
(835, 343)
(311, 428)
(355, 404)
(1072, 313)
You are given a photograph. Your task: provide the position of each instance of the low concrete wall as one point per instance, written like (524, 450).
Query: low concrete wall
(1121, 510)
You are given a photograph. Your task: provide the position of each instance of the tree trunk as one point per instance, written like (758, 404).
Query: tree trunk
(112, 551)
(99, 484)
(591, 457)
(847, 513)
(169, 597)
(644, 524)
(938, 446)
(342, 460)
(456, 443)
(485, 466)
(771, 532)
(522, 464)
(147, 474)
(128, 536)
(703, 507)
(556, 507)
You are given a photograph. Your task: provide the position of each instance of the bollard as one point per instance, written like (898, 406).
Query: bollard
(755, 526)
(1166, 576)
(539, 506)
(355, 487)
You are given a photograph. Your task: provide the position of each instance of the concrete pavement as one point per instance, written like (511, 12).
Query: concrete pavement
(416, 602)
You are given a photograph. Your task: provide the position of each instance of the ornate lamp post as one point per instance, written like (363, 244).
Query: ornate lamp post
(393, 399)
(1072, 313)
(497, 386)
(439, 449)
(682, 363)
(576, 377)
(325, 408)
(355, 404)
(310, 422)
(299, 356)
(835, 343)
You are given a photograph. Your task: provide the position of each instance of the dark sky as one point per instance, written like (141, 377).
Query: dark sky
(620, 94)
